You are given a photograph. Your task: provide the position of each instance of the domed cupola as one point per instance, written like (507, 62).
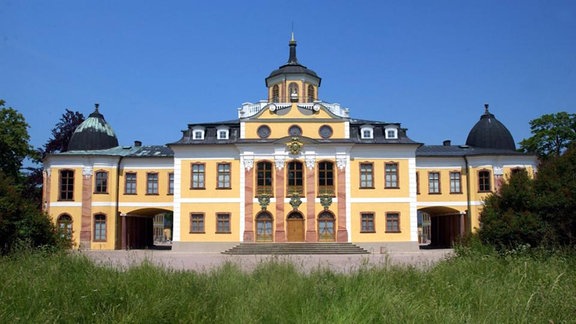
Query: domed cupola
(93, 134)
(490, 133)
(293, 82)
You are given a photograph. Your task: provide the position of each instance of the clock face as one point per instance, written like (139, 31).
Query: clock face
(325, 131)
(295, 130)
(264, 131)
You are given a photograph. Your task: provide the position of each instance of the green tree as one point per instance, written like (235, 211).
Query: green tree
(62, 132)
(552, 134)
(14, 145)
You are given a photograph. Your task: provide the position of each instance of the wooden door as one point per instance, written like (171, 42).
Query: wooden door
(295, 228)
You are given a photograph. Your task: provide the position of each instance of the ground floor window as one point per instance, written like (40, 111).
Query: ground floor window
(196, 223)
(367, 225)
(326, 227)
(222, 223)
(100, 227)
(65, 226)
(392, 223)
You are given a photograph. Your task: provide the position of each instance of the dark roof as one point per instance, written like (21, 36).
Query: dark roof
(93, 134)
(460, 150)
(490, 133)
(293, 66)
(127, 151)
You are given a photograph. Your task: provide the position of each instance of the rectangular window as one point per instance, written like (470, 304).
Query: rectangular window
(223, 223)
(196, 223)
(152, 183)
(101, 185)
(222, 134)
(326, 178)
(264, 178)
(100, 227)
(434, 182)
(367, 225)
(295, 178)
(484, 181)
(455, 182)
(66, 185)
(198, 176)
(366, 175)
(392, 223)
(170, 183)
(130, 183)
(224, 176)
(391, 171)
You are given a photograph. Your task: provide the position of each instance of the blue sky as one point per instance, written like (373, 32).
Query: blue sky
(156, 66)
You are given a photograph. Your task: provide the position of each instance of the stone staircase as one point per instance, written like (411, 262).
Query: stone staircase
(295, 248)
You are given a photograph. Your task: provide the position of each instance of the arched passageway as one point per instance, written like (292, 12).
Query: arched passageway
(146, 228)
(441, 226)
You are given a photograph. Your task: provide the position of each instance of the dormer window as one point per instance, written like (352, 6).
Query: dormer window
(391, 133)
(198, 134)
(222, 133)
(366, 132)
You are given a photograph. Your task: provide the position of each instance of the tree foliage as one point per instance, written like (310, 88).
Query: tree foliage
(552, 134)
(538, 212)
(62, 132)
(14, 145)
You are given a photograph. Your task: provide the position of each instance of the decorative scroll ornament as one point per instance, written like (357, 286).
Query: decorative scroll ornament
(264, 201)
(87, 171)
(310, 161)
(326, 201)
(279, 161)
(295, 146)
(248, 162)
(498, 170)
(295, 201)
(341, 162)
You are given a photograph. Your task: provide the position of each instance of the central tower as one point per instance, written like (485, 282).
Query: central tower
(293, 82)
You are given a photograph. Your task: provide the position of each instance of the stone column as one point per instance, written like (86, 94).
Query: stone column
(342, 233)
(311, 233)
(86, 219)
(248, 200)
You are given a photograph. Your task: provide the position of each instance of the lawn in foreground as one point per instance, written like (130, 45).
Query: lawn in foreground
(472, 288)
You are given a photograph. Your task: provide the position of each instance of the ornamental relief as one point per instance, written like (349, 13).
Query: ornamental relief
(248, 162)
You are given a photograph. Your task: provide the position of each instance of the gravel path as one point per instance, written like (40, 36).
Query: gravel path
(208, 261)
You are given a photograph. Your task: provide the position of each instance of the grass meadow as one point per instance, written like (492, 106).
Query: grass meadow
(474, 287)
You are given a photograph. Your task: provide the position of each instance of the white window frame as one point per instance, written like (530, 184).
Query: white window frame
(197, 131)
(370, 130)
(394, 130)
(223, 130)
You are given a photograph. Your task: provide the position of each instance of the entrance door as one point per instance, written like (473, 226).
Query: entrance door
(326, 227)
(264, 227)
(295, 224)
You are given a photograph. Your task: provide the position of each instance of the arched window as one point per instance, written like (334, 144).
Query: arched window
(295, 178)
(65, 225)
(264, 178)
(100, 227)
(275, 93)
(326, 227)
(311, 94)
(264, 223)
(326, 178)
(293, 89)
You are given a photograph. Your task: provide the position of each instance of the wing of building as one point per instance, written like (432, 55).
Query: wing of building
(291, 168)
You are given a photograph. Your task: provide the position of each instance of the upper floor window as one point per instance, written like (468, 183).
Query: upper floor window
(223, 133)
(434, 182)
(101, 185)
(65, 225)
(171, 183)
(198, 176)
(326, 178)
(198, 133)
(367, 223)
(152, 183)
(66, 185)
(130, 183)
(100, 227)
(391, 174)
(224, 176)
(275, 93)
(311, 93)
(196, 223)
(264, 178)
(391, 133)
(295, 178)
(455, 182)
(366, 132)
(484, 181)
(366, 175)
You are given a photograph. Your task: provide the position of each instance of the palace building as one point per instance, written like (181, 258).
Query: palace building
(290, 168)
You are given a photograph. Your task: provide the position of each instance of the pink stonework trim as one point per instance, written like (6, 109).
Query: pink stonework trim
(46, 193)
(342, 234)
(248, 206)
(86, 221)
(311, 234)
(280, 235)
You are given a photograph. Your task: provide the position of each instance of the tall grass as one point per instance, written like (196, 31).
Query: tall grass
(477, 286)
